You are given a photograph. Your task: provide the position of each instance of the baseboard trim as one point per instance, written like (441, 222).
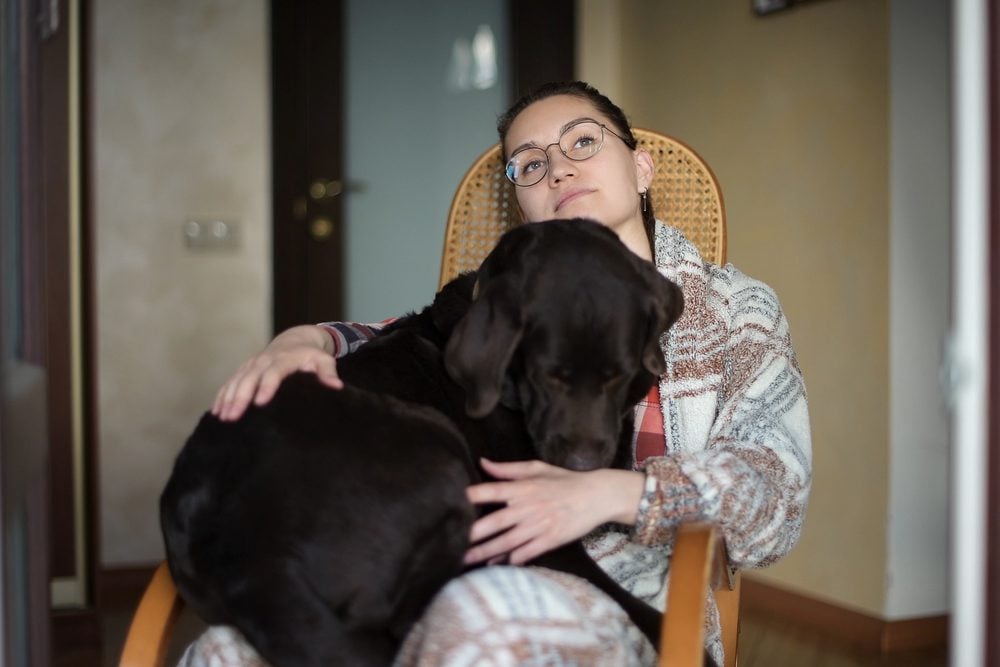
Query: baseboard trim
(74, 629)
(121, 587)
(866, 632)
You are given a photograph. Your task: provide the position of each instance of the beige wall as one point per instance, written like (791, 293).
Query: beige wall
(791, 112)
(179, 131)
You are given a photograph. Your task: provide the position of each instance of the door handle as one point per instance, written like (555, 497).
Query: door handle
(328, 188)
(321, 228)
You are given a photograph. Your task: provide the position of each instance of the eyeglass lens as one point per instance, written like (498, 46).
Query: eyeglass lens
(578, 142)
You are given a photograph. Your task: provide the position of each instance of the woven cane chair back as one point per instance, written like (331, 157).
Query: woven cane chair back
(684, 192)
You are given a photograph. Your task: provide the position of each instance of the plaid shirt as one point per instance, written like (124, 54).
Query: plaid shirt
(648, 439)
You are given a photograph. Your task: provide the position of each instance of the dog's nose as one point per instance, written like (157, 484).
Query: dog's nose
(582, 461)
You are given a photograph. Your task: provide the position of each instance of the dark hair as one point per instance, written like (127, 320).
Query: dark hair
(602, 104)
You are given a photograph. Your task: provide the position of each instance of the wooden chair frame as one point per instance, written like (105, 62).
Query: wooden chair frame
(685, 192)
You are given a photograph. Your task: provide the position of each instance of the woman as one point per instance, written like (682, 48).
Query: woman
(729, 443)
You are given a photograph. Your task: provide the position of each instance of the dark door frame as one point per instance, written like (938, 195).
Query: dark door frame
(39, 479)
(306, 157)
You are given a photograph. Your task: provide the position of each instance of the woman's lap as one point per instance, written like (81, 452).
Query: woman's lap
(496, 616)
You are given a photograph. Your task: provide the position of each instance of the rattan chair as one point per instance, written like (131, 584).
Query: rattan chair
(684, 192)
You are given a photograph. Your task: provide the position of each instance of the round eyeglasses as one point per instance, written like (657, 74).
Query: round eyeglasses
(580, 141)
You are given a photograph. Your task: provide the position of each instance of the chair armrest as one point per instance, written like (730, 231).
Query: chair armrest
(699, 562)
(149, 634)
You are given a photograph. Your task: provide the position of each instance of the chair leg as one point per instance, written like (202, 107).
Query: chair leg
(728, 601)
(683, 637)
(149, 634)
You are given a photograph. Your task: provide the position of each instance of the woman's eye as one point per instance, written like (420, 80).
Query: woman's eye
(532, 166)
(584, 141)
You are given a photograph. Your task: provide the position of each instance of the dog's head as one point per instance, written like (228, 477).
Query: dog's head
(566, 324)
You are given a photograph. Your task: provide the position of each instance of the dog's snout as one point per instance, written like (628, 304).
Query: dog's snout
(582, 462)
(577, 453)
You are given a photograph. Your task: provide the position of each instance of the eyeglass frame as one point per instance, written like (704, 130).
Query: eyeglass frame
(545, 150)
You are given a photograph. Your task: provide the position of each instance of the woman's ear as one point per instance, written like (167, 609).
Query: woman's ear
(644, 168)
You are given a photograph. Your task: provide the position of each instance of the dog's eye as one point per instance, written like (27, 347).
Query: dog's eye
(613, 380)
(557, 380)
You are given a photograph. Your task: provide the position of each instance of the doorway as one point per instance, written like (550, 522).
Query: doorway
(378, 109)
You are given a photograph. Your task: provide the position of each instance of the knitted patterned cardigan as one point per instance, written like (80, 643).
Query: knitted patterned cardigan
(737, 449)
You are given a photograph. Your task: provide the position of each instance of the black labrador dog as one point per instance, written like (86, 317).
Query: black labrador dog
(321, 524)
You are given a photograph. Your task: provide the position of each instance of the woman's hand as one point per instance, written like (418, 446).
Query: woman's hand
(546, 507)
(302, 348)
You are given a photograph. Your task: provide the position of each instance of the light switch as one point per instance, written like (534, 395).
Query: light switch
(212, 234)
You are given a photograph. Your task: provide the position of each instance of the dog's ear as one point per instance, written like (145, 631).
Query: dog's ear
(667, 304)
(482, 345)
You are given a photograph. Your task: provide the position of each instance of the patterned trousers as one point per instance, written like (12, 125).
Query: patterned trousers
(496, 616)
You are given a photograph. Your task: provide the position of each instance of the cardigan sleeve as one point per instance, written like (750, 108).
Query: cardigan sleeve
(752, 477)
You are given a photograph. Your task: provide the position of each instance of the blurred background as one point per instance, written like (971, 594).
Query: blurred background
(213, 171)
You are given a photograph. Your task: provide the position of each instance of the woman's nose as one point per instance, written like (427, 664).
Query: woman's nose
(560, 166)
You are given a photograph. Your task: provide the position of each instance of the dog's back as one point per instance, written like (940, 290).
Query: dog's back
(322, 523)
(321, 550)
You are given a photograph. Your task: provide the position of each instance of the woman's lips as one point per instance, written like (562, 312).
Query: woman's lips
(570, 196)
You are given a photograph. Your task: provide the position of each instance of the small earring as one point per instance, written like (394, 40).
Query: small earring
(643, 195)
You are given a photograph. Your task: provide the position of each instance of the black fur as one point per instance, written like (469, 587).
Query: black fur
(322, 524)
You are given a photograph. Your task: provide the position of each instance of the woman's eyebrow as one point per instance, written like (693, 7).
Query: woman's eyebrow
(532, 144)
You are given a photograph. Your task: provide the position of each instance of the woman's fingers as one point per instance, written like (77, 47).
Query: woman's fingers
(259, 378)
(488, 493)
(494, 523)
(525, 527)
(326, 371)
(546, 506)
(226, 396)
(516, 538)
(517, 469)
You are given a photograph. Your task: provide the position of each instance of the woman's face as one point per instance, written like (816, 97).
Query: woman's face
(604, 187)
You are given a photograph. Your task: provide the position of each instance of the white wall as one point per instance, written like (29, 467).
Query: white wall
(919, 272)
(180, 130)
